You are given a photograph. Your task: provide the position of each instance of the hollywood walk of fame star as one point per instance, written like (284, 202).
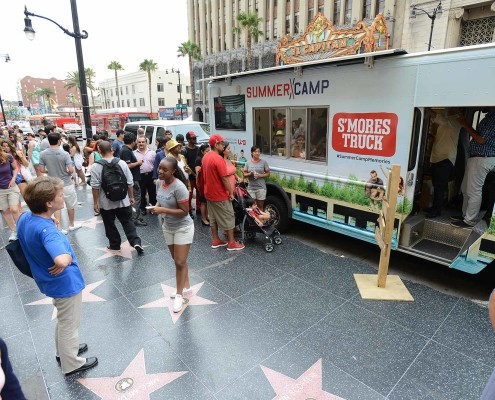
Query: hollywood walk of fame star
(191, 299)
(87, 297)
(125, 251)
(133, 383)
(90, 223)
(307, 386)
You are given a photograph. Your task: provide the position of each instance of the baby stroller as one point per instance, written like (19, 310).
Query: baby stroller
(248, 226)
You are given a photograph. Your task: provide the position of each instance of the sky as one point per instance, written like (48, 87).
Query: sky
(123, 31)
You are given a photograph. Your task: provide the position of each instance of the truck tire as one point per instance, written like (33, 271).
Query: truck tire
(279, 208)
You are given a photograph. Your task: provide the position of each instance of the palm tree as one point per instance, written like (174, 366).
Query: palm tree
(149, 66)
(249, 22)
(90, 74)
(116, 66)
(193, 51)
(29, 97)
(45, 92)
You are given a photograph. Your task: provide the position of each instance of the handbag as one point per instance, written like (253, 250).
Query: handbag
(26, 174)
(18, 258)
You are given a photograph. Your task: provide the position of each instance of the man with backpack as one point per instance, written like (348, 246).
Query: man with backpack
(113, 196)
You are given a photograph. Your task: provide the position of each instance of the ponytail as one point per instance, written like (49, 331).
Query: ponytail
(177, 171)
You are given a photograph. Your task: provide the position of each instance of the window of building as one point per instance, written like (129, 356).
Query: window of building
(134, 103)
(311, 14)
(275, 30)
(122, 103)
(133, 89)
(296, 22)
(188, 89)
(256, 5)
(128, 103)
(159, 87)
(127, 90)
(188, 102)
(336, 11)
(113, 104)
(161, 102)
(380, 6)
(121, 91)
(111, 92)
(305, 137)
(230, 112)
(287, 24)
(141, 102)
(267, 30)
(366, 9)
(348, 12)
(321, 9)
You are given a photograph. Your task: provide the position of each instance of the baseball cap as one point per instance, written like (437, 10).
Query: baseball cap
(216, 138)
(190, 135)
(171, 144)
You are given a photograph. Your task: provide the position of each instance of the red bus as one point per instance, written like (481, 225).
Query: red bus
(115, 119)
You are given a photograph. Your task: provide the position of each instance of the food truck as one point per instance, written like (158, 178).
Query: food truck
(330, 128)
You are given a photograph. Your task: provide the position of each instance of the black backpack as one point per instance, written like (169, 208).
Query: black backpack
(113, 180)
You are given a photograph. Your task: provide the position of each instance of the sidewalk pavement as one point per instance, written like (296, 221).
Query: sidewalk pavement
(287, 325)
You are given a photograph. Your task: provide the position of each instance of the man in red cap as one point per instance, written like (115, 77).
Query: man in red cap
(219, 195)
(191, 152)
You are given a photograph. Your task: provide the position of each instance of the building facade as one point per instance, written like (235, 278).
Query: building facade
(134, 91)
(211, 23)
(28, 85)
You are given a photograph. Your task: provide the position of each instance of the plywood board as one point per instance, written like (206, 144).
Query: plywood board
(394, 289)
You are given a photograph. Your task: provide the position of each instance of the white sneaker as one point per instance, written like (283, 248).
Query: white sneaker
(184, 291)
(13, 236)
(178, 303)
(64, 231)
(73, 228)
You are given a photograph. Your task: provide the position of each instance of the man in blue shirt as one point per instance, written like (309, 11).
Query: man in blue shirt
(55, 269)
(118, 143)
(481, 161)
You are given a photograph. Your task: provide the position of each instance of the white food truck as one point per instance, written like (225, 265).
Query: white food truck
(329, 128)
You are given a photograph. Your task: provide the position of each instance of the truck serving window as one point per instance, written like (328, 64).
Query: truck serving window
(299, 132)
(230, 112)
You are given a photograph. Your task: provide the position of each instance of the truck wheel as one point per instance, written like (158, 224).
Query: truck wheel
(281, 214)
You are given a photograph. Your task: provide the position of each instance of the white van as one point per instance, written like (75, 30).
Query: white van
(156, 129)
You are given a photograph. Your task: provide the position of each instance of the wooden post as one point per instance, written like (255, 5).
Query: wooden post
(390, 204)
(376, 287)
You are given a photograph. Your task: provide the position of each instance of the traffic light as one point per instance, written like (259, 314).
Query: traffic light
(20, 103)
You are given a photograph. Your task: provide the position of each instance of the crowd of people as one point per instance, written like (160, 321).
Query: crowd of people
(128, 180)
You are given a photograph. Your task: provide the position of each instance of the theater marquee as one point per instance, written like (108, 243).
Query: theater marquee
(321, 40)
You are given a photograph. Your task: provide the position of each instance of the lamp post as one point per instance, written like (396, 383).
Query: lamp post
(77, 35)
(7, 59)
(179, 89)
(431, 15)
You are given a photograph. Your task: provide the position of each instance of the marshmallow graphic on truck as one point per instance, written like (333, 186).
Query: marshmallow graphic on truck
(365, 133)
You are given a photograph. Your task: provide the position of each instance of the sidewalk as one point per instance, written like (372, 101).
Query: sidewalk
(287, 325)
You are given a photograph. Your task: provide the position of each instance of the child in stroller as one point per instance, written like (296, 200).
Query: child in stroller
(253, 220)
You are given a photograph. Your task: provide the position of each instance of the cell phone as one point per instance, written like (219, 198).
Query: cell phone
(150, 207)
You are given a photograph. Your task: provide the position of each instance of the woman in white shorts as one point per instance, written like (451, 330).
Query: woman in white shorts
(256, 170)
(77, 157)
(9, 192)
(178, 228)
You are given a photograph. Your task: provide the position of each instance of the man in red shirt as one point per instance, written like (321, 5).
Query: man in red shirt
(219, 195)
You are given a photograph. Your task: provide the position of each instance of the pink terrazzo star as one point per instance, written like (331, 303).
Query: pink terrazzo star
(133, 383)
(87, 297)
(307, 386)
(90, 223)
(125, 251)
(191, 299)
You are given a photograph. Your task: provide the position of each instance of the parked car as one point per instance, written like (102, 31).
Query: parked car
(157, 128)
(73, 129)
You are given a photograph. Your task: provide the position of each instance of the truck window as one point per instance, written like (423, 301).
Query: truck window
(230, 112)
(300, 133)
(149, 133)
(131, 128)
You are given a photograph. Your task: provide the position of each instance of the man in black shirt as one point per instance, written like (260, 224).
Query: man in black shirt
(127, 154)
(191, 152)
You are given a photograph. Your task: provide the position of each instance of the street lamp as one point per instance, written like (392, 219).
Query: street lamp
(179, 88)
(431, 15)
(7, 59)
(77, 35)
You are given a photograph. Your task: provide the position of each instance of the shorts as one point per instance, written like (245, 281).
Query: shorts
(257, 194)
(70, 197)
(221, 213)
(9, 197)
(180, 236)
